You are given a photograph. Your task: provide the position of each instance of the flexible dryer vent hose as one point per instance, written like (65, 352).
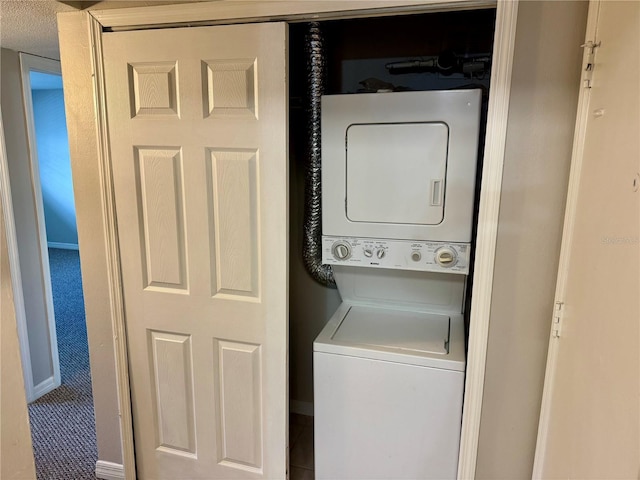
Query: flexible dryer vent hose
(312, 249)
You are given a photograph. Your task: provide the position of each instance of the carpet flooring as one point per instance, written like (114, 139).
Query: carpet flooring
(62, 421)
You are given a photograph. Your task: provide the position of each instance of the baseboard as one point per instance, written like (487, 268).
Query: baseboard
(44, 387)
(109, 470)
(301, 408)
(64, 246)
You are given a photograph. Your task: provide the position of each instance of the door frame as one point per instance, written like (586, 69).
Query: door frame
(14, 265)
(89, 123)
(31, 63)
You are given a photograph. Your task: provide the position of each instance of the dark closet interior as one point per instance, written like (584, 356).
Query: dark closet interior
(431, 51)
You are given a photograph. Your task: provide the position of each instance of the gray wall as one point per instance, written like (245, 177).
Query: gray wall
(24, 212)
(542, 111)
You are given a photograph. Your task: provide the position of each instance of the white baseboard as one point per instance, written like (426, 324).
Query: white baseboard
(301, 408)
(43, 388)
(64, 246)
(109, 470)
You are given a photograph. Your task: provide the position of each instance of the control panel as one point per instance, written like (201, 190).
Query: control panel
(399, 254)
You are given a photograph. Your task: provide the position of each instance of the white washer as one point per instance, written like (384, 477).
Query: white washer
(389, 378)
(388, 394)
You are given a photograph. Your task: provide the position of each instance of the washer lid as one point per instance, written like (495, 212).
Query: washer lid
(402, 331)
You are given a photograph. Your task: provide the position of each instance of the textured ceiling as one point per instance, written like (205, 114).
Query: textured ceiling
(30, 25)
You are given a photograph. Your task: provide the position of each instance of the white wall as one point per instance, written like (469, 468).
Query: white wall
(542, 111)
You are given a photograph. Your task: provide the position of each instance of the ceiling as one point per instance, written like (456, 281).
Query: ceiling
(30, 25)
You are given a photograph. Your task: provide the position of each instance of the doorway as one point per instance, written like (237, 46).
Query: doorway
(61, 418)
(364, 55)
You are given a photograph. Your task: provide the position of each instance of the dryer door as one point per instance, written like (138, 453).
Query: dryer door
(396, 172)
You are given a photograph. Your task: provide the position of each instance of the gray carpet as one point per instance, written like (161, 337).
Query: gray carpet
(62, 422)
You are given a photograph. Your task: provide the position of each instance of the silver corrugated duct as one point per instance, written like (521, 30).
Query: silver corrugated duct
(311, 251)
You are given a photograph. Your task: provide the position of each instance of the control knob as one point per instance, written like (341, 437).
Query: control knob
(381, 253)
(341, 250)
(446, 257)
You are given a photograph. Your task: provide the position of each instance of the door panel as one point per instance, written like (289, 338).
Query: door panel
(158, 181)
(198, 135)
(590, 416)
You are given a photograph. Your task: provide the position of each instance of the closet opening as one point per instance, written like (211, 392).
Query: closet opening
(417, 52)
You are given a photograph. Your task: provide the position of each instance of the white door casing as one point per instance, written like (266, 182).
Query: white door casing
(36, 327)
(197, 119)
(590, 412)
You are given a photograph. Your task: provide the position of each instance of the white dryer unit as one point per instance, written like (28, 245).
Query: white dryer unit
(398, 176)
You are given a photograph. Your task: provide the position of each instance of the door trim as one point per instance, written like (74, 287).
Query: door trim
(113, 254)
(241, 12)
(486, 237)
(582, 117)
(32, 63)
(14, 264)
(233, 11)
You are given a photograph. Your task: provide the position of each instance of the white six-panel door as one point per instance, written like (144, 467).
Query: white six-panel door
(197, 122)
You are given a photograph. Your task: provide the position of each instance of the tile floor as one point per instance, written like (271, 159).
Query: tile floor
(301, 441)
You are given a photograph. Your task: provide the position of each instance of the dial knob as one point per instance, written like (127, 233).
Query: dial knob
(446, 257)
(380, 253)
(341, 250)
(368, 252)
(416, 256)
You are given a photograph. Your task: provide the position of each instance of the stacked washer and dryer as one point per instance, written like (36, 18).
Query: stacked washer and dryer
(398, 176)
